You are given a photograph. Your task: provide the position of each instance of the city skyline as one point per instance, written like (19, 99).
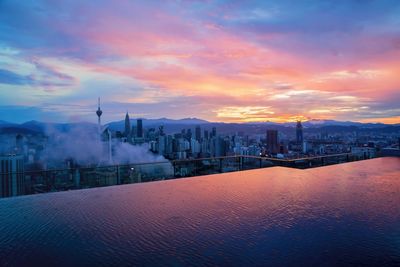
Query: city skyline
(199, 133)
(222, 62)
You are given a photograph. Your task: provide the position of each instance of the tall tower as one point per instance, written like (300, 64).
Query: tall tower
(99, 112)
(127, 125)
(299, 133)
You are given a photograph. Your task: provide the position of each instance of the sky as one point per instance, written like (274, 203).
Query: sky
(226, 61)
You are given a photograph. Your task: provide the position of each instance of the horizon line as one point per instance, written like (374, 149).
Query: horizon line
(204, 121)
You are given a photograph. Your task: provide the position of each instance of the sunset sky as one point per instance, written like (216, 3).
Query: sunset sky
(231, 61)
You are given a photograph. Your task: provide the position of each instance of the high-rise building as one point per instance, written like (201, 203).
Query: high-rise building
(206, 134)
(127, 125)
(98, 113)
(189, 134)
(12, 175)
(19, 144)
(299, 133)
(222, 146)
(272, 141)
(19, 140)
(161, 144)
(139, 128)
(214, 132)
(195, 147)
(107, 144)
(198, 133)
(161, 130)
(133, 131)
(169, 144)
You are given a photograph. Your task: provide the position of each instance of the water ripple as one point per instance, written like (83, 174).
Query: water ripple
(340, 215)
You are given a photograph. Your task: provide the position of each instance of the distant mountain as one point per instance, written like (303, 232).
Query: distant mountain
(17, 130)
(33, 127)
(321, 123)
(316, 123)
(330, 122)
(7, 124)
(173, 126)
(192, 121)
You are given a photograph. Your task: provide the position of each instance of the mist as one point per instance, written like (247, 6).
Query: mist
(83, 144)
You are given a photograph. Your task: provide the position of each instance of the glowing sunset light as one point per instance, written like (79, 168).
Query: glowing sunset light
(240, 61)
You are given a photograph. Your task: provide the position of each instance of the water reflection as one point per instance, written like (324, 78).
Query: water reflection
(346, 214)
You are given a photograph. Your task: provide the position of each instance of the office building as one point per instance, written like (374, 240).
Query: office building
(272, 141)
(12, 175)
(139, 128)
(299, 133)
(206, 134)
(198, 133)
(214, 132)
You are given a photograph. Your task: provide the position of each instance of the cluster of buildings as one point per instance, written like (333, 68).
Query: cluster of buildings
(192, 143)
(189, 144)
(195, 142)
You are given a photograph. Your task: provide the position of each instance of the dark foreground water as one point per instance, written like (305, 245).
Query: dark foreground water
(340, 215)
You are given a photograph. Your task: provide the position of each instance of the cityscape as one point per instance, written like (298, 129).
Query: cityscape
(38, 153)
(199, 133)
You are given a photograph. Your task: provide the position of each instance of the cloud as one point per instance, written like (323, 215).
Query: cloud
(8, 77)
(63, 145)
(243, 113)
(17, 69)
(198, 58)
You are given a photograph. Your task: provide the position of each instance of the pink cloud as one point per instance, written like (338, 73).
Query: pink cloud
(173, 50)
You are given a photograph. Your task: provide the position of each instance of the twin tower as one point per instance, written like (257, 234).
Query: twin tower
(129, 131)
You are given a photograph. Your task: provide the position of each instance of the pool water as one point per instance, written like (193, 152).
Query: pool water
(339, 215)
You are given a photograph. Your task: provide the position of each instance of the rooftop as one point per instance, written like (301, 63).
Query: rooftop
(346, 214)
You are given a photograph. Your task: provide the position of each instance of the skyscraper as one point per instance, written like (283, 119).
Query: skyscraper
(206, 134)
(299, 133)
(139, 128)
(12, 175)
(272, 141)
(98, 113)
(161, 130)
(161, 144)
(198, 133)
(19, 144)
(127, 125)
(189, 134)
(214, 132)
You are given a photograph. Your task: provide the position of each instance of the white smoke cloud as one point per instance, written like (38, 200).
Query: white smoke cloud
(83, 144)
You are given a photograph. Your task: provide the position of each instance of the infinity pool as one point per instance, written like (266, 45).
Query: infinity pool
(340, 215)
